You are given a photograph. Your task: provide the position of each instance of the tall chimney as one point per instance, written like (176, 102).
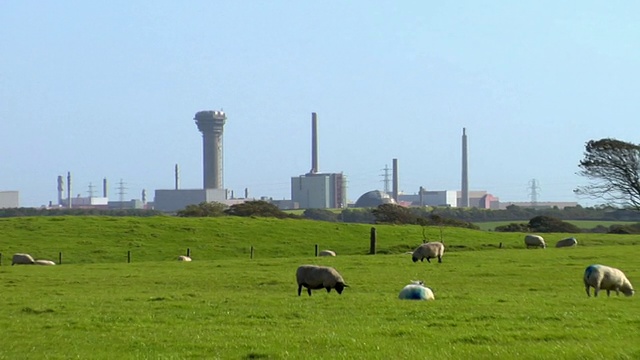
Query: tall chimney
(246, 193)
(395, 180)
(69, 189)
(177, 175)
(104, 187)
(60, 189)
(314, 143)
(464, 201)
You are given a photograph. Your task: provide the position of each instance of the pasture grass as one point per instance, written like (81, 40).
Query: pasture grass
(98, 239)
(500, 303)
(491, 302)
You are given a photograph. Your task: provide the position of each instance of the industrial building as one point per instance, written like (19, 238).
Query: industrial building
(315, 190)
(211, 124)
(9, 199)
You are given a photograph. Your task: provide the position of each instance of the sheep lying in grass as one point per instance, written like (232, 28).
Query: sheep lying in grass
(318, 277)
(531, 240)
(44, 262)
(568, 242)
(184, 258)
(327, 253)
(428, 250)
(602, 277)
(416, 291)
(22, 259)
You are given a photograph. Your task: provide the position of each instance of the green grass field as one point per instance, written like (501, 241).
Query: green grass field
(490, 303)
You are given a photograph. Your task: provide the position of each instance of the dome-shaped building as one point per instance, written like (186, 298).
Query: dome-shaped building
(374, 198)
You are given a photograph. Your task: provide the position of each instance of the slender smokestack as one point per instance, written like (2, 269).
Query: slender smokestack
(104, 187)
(314, 143)
(464, 201)
(421, 196)
(246, 193)
(60, 189)
(395, 180)
(144, 196)
(177, 175)
(69, 189)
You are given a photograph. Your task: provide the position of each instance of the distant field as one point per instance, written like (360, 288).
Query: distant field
(582, 224)
(509, 303)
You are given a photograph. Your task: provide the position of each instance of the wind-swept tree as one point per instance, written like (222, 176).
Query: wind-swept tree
(613, 166)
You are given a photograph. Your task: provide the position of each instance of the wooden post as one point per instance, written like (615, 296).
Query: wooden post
(188, 252)
(251, 251)
(500, 245)
(60, 258)
(128, 256)
(372, 245)
(316, 250)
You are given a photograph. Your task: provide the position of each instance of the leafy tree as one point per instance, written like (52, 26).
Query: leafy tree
(614, 168)
(320, 214)
(547, 224)
(393, 214)
(204, 209)
(257, 208)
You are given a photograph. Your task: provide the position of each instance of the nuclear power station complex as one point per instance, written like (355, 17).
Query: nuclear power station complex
(311, 190)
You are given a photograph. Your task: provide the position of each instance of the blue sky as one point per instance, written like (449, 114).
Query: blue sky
(109, 90)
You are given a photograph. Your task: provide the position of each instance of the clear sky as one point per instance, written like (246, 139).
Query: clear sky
(109, 89)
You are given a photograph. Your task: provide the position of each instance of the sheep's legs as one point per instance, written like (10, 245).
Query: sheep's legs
(439, 258)
(299, 290)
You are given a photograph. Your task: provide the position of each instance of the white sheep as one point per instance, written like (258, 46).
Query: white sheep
(184, 258)
(531, 240)
(416, 291)
(22, 259)
(44, 262)
(327, 253)
(602, 277)
(318, 277)
(568, 242)
(428, 250)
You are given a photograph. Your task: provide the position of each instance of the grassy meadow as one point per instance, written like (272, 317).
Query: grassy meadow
(491, 302)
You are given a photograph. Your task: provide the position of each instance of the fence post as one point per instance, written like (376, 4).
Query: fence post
(60, 258)
(251, 251)
(372, 245)
(316, 250)
(128, 256)
(188, 252)
(0, 259)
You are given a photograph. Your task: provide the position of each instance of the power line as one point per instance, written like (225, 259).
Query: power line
(533, 191)
(386, 179)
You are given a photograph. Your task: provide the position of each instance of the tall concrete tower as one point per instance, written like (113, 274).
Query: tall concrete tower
(464, 200)
(211, 124)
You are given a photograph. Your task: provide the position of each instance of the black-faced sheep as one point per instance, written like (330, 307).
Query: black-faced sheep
(318, 277)
(427, 251)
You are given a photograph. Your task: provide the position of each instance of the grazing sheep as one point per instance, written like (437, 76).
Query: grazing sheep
(184, 258)
(534, 241)
(318, 277)
(428, 250)
(416, 291)
(22, 259)
(568, 242)
(327, 253)
(44, 262)
(602, 277)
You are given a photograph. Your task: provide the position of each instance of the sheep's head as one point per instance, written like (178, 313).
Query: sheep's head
(627, 290)
(415, 259)
(340, 286)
